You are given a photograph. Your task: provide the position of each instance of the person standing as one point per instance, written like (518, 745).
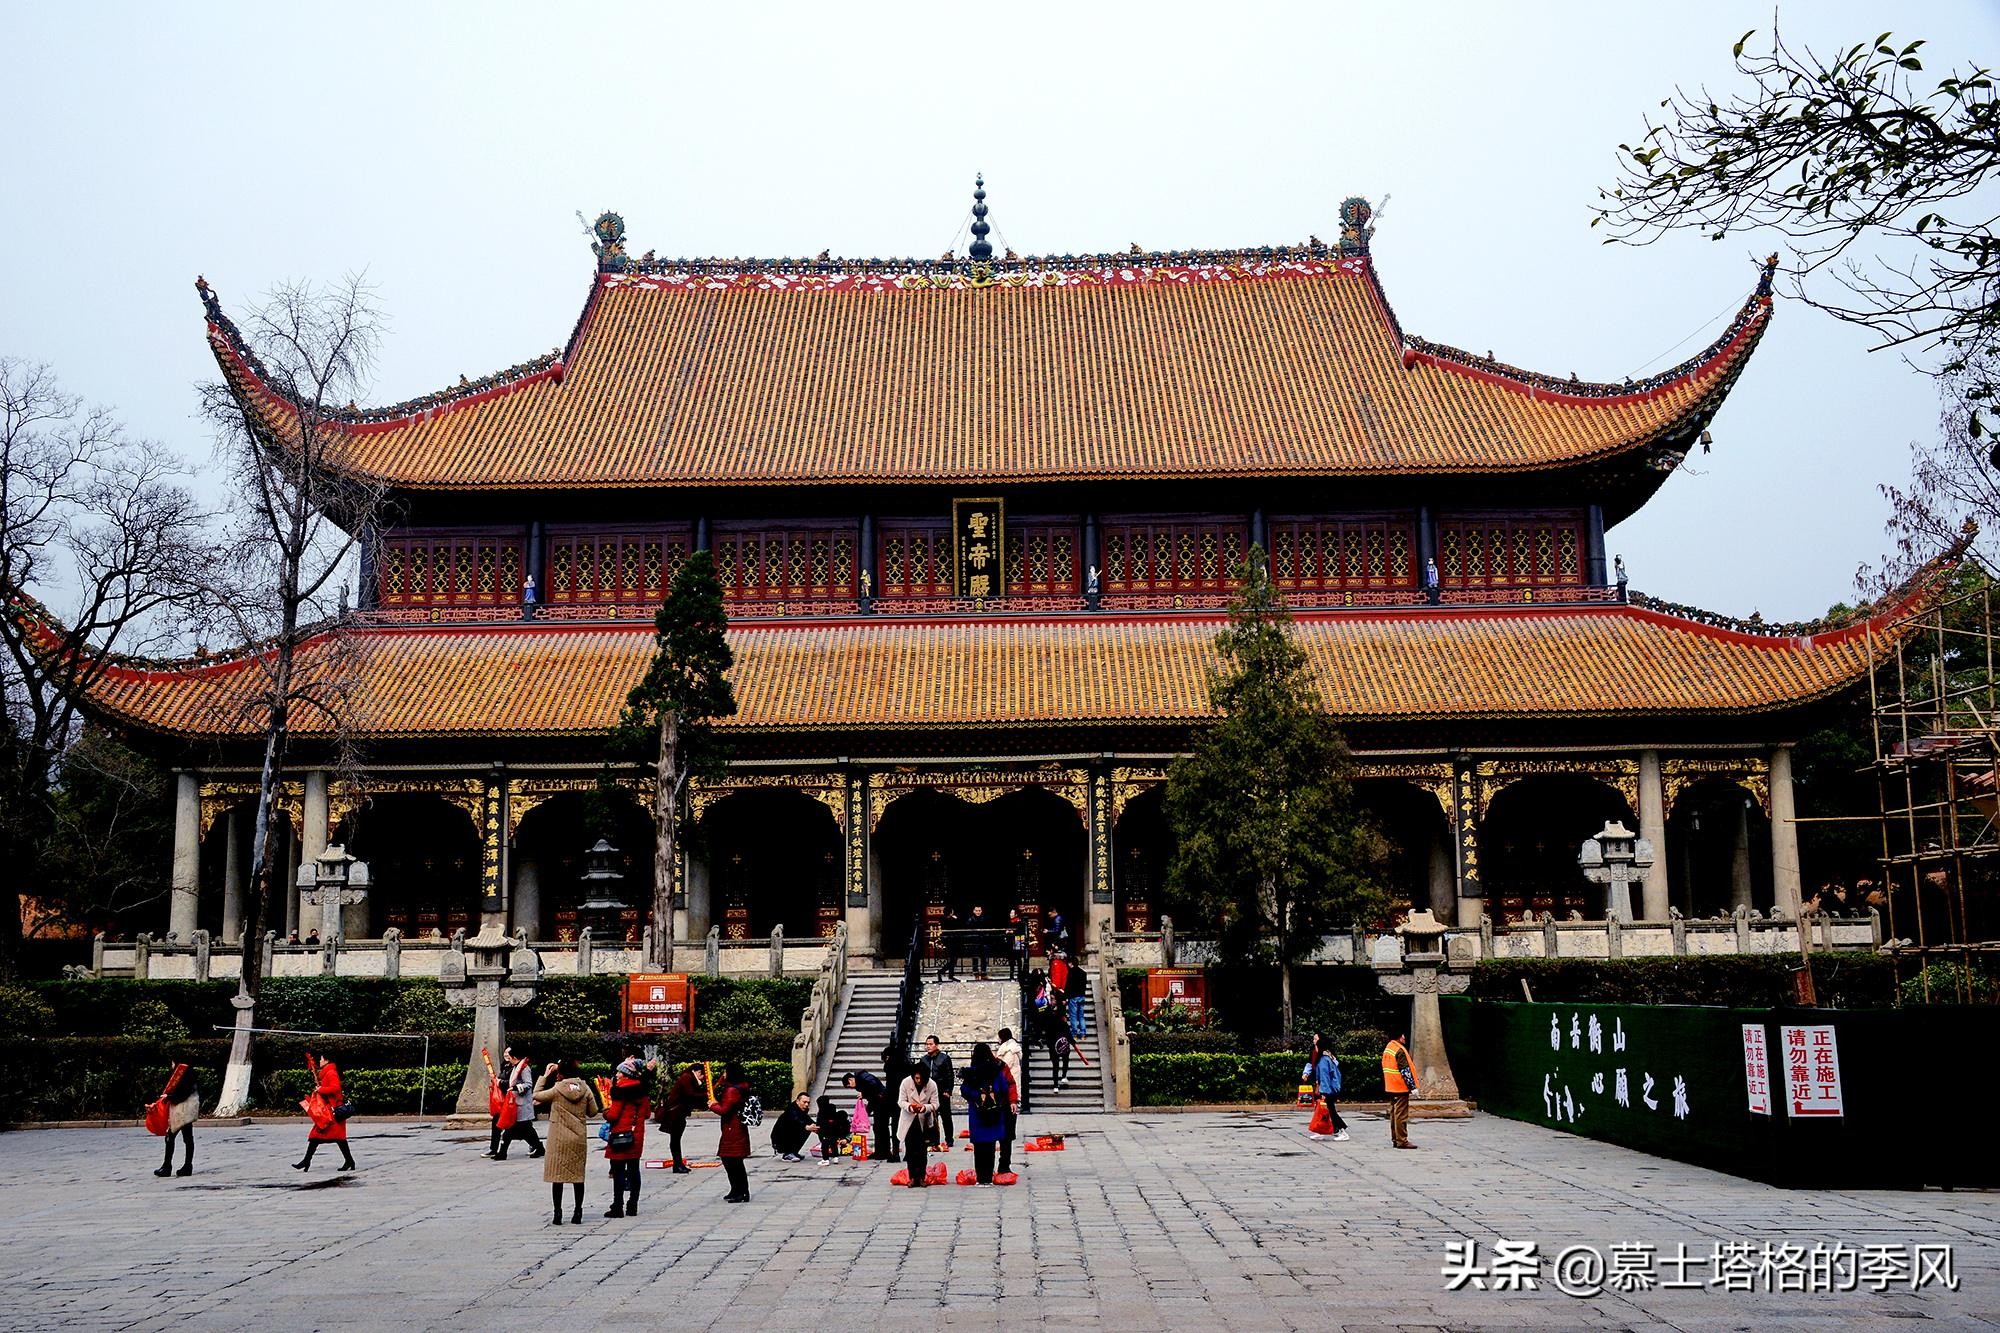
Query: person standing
(626, 1120)
(979, 939)
(1326, 1081)
(952, 938)
(1055, 935)
(1010, 1056)
(735, 1144)
(327, 1105)
(571, 1102)
(684, 1098)
(1399, 1080)
(1017, 945)
(1074, 1000)
(917, 1112)
(875, 1097)
(520, 1086)
(183, 1098)
(936, 1063)
(987, 1090)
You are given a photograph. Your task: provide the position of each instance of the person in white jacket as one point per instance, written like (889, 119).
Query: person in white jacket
(917, 1115)
(1009, 1052)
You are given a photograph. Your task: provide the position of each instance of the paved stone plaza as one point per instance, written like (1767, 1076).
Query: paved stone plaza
(1147, 1222)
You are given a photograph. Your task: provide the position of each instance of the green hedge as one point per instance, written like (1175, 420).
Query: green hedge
(1845, 980)
(1325, 998)
(1194, 1077)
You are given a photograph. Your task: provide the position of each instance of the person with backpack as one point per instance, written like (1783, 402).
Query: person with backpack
(987, 1091)
(329, 1108)
(181, 1099)
(732, 1100)
(1325, 1069)
(624, 1141)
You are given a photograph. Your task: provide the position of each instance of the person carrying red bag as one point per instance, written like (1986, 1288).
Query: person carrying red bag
(329, 1109)
(174, 1113)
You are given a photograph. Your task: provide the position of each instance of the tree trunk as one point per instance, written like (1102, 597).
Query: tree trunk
(666, 801)
(1285, 997)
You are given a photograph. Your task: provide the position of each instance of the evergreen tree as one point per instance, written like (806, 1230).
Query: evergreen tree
(685, 690)
(1270, 848)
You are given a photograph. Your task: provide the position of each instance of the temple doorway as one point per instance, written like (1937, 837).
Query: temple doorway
(1529, 840)
(1142, 847)
(937, 854)
(1713, 835)
(773, 860)
(549, 860)
(1419, 872)
(423, 863)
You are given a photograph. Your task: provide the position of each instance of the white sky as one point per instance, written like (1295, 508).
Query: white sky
(446, 149)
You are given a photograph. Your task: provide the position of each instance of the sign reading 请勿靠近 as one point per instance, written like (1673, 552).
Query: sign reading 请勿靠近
(1757, 1068)
(1812, 1071)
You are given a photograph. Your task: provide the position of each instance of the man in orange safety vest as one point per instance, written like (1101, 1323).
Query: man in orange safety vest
(1399, 1080)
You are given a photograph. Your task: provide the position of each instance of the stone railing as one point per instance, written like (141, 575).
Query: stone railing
(1111, 1022)
(392, 956)
(1742, 932)
(816, 1027)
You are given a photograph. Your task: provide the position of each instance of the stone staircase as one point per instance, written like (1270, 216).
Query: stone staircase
(1086, 1091)
(866, 1021)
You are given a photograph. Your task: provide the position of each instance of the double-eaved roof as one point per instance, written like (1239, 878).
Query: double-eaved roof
(840, 676)
(1277, 363)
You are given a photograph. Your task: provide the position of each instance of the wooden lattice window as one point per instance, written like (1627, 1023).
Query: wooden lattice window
(785, 563)
(1357, 551)
(915, 561)
(449, 569)
(1172, 555)
(1510, 550)
(623, 567)
(1041, 559)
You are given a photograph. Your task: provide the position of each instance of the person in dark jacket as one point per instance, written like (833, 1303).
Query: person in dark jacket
(936, 1062)
(876, 1098)
(789, 1131)
(834, 1125)
(683, 1099)
(183, 1098)
(987, 1091)
(735, 1145)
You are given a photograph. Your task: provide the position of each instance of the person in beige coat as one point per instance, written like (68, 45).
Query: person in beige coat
(917, 1119)
(571, 1102)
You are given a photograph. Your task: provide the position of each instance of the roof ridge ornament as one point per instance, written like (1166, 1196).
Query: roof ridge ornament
(1355, 231)
(609, 247)
(981, 251)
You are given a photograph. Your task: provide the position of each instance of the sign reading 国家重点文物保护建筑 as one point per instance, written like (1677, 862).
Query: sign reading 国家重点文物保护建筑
(1757, 1068)
(1812, 1071)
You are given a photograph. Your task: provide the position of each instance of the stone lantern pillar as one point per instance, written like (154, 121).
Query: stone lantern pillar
(1616, 859)
(603, 907)
(333, 881)
(1421, 975)
(485, 974)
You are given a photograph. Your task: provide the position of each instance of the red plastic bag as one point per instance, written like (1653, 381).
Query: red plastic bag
(1322, 1121)
(901, 1177)
(157, 1114)
(508, 1113)
(968, 1177)
(934, 1174)
(1006, 1178)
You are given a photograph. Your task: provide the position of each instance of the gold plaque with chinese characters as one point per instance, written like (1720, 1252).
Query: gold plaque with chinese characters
(979, 554)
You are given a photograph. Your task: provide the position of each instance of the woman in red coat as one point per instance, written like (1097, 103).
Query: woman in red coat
(323, 1104)
(735, 1139)
(626, 1116)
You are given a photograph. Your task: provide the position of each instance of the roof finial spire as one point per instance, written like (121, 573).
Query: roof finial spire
(981, 252)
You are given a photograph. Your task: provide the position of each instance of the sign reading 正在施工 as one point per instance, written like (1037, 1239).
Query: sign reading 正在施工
(1812, 1071)
(979, 552)
(1757, 1068)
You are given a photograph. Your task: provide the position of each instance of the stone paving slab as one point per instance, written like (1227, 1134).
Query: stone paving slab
(1198, 1221)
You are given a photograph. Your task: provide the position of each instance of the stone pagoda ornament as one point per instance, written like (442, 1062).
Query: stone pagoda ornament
(1617, 859)
(333, 882)
(487, 973)
(1420, 974)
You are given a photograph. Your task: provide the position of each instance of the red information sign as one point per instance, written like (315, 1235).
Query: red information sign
(1183, 986)
(659, 1002)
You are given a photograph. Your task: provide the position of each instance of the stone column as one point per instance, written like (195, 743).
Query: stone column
(313, 816)
(1784, 836)
(181, 913)
(695, 917)
(232, 878)
(284, 858)
(1739, 861)
(1443, 881)
(1653, 828)
(524, 912)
